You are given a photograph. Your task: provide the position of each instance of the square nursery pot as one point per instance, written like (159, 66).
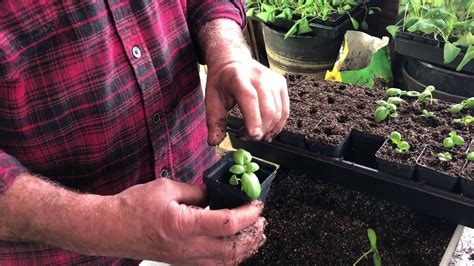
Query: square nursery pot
(331, 150)
(434, 177)
(466, 181)
(222, 195)
(291, 138)
(401, 170)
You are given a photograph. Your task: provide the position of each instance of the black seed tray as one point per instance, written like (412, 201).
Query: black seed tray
(349, 172)
(429, 50)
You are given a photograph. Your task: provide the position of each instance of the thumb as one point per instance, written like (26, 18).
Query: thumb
(216, 116)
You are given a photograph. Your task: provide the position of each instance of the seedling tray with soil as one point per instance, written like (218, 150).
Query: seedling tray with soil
(311, 222)
(421, 120)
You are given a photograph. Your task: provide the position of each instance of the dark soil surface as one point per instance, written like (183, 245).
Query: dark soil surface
(316, 223)
(430, 159)
(345, 107)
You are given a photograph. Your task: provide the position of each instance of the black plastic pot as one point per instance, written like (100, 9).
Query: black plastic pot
(411, 83)
(327, 149)
(294, 139)
(362, 148)
(433, 177)
(445, 80)
(393, 168)
(304, 54)
(222, 195)
(466, 185)
(429, 50)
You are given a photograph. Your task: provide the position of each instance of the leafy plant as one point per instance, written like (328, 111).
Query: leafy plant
(452, 140)
(244, 166)
(470, 156)
(391, 92)
(373, 249)
(427, 113)
(450, 21)
(402, 146)
(427, 94)
(302, 12)
(384, 110)
(465, 121)
(465, 104)
(445, 156)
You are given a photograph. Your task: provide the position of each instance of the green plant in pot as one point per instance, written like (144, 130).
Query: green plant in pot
(304, 36)
(450, 21)
(243, 172)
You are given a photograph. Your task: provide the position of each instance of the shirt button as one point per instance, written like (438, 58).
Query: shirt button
(163, 173)
(137, 53)
(156, 118)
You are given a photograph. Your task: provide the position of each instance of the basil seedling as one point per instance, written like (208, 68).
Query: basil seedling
(465, 104)
(402, 146)
(427, 94)
(426, 113)
(384, 110)
(244, 166)
(395, 92)
(465, 121)
(372, 236)
(445, 156)
(452, 140)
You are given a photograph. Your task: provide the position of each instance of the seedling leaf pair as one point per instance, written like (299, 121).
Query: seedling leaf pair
(244, 166)
(402, 146)
(453, 140)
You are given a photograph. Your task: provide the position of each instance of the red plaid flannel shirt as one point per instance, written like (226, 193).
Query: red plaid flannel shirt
(99, 96)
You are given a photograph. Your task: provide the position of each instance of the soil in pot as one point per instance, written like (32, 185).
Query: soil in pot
(331, 130)
(315, 223)
(430, 159)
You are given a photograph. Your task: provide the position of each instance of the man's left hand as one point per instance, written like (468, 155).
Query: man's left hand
(260, 93)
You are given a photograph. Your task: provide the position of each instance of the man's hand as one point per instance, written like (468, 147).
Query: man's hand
(171, 229)
(158, 221)
(234, 77)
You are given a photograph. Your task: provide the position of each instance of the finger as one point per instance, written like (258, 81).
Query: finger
(225, 222)
(184, 193)
(237, 248)
(216, 114)
(266, 103)
(247, 98)
(285, 111)
(276, 117)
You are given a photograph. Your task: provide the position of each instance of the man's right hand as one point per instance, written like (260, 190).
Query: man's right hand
(158, 221)
(170, 228)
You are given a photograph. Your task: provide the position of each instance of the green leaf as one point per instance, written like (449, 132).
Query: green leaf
(381, 113)
(392, 29)
(424, 95)
(250, 12)
(456, 108)
(304, 27)
(465, 40)
(234, 181)
(448, 143)
(251, 167)
(377, 259)
(422, 25)
(268, 8)
(470, 156)
(238, 156)
(391, 106)
(381, 102)
(393, 92)
(372, 238)
(251, 185)
(292, 31)
(396, 137)
(468, 120)
(364, 25)
(450, 52)
(413, 94)
(355, 23)
(403, 146)
(371, 12)
(237, 169)
(395, 100)
(247, 157)
(457, 121)
(467, 57)
(469, 103)
(458, 140)
(266, 16)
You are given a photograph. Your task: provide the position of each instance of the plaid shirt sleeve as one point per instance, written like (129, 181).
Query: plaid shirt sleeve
(99, 96)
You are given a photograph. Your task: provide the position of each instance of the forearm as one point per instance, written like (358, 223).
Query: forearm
(36, 210)
(222, 41)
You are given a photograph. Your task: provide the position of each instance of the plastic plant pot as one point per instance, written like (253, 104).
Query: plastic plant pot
(405, 171)
(432, 176)
(222, 195)
(294, 139)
